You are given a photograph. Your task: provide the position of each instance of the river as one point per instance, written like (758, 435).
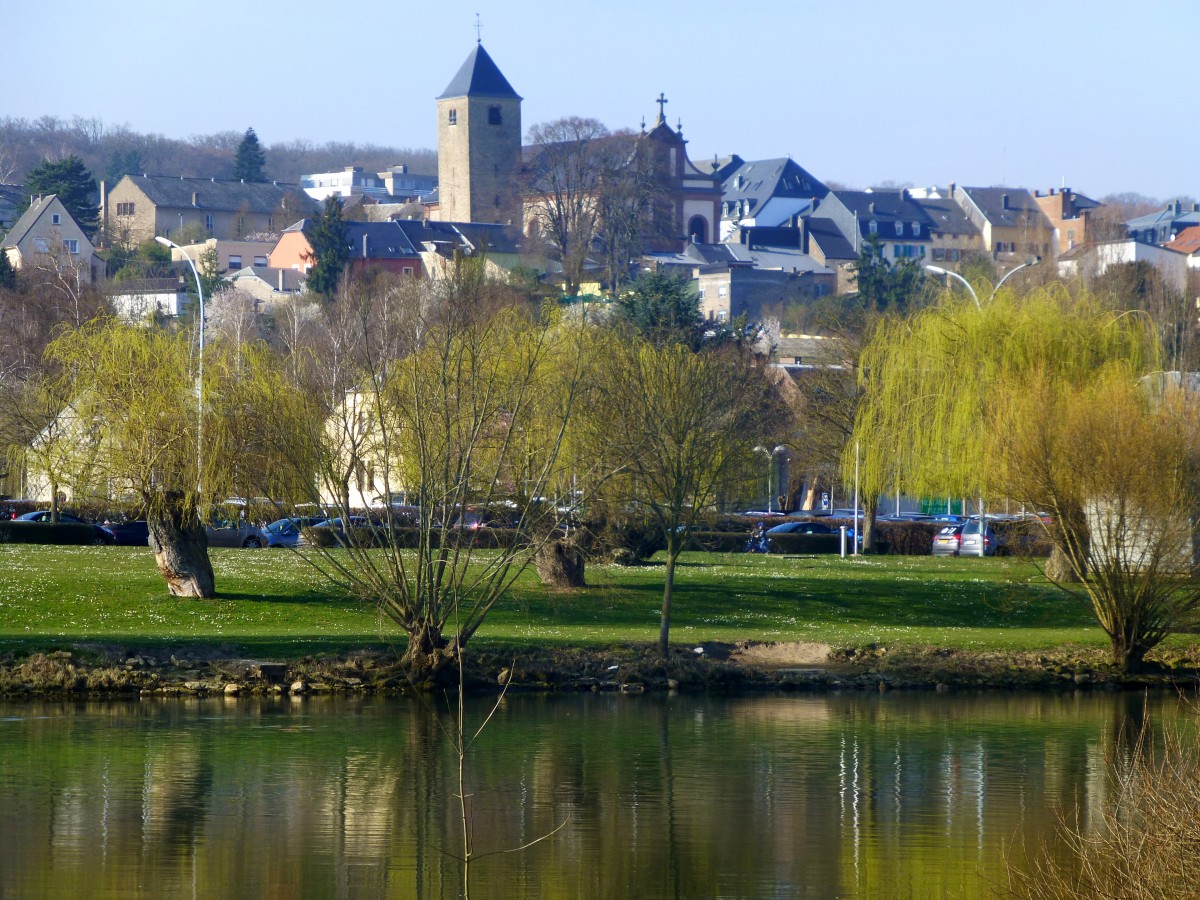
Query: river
(576, 796)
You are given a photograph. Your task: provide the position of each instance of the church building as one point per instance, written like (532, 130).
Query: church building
(479, 157)
(479, 145)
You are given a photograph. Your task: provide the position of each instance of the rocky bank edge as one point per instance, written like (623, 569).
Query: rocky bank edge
(103, 670)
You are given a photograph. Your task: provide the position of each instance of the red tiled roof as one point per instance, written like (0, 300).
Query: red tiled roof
(1187, 241)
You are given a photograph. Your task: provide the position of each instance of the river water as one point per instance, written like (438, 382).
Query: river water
(842, 795)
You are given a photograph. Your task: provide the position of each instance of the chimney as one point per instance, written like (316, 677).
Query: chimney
(195, 198)
(1004, 201)
(281, 281)
(816, 201)
(364, 245)
(953, 188)
(871, 207)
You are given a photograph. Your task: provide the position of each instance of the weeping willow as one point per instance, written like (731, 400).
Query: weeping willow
(936, 385)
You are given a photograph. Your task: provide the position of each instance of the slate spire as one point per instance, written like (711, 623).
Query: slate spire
(479, 77)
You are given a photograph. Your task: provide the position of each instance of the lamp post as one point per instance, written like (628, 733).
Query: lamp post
(166, 242)
(938, 270)
(771, 455)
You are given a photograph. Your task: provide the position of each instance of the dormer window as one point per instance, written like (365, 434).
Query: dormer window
(899, 229)
(873, 227)
(452, 117)
(494, 116)
(916, 229)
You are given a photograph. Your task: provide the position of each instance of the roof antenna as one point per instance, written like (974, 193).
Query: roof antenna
(478, 30)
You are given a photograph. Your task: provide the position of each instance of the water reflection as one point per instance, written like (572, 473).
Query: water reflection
(843, 795)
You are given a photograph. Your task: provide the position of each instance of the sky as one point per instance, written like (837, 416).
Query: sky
(1087, 93)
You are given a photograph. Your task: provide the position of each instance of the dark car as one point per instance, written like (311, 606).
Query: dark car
(801, 528)
(948, 540)
(129, 534)
(43, 517)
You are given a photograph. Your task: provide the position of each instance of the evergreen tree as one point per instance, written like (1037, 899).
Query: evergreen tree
(330, 253)
(76, 189)
(8, 275)
(663, 309)
(250, 160)
(122, 163)
(883, 286)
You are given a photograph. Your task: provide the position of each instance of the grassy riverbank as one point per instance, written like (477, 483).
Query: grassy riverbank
(273, 603)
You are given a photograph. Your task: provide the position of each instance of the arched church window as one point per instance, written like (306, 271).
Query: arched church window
(494, 116)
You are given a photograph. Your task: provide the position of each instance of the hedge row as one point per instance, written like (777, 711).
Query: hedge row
(409, 538)
(45, 533)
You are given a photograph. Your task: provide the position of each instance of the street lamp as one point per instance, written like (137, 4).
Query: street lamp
(938, 270)
(200, 369)
(771, 470)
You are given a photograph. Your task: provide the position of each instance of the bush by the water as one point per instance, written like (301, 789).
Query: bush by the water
(1140, 845)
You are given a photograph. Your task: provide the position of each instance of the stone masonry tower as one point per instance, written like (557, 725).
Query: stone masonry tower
(479, 145)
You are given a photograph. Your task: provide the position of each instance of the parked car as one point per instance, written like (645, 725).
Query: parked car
(286, 532)
(340, 525)
(129, 534)
(239, 533)
(43, 517)
(948, 540)
(801, 528)
(977, 539)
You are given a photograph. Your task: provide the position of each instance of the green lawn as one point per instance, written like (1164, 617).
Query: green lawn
(273, 602)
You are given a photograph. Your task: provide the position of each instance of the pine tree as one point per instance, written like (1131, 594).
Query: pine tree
(330, 252)
(76, 189)
(250, 160)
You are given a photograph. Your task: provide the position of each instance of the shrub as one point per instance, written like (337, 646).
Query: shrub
(45, 533)
(623, 540)
(1140, 844)
(906, 538)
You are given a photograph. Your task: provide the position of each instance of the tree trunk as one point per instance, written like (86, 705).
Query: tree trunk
(428, 654)
(180, 546)
(664, 628)
(560, 564)
(868, 524)
(1059, 568)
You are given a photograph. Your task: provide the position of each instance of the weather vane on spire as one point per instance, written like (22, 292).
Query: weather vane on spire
(478, 30)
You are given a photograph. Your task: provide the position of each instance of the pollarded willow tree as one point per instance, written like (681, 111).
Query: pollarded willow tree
(464, 408)
(133, 391)
(1115, 461)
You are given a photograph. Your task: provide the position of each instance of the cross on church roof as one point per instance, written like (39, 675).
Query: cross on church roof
(478, 30)
(662, 101)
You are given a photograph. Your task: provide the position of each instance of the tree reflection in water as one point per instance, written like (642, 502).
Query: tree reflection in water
(664, 796)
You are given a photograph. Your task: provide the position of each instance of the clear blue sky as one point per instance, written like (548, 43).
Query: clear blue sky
(930, 91)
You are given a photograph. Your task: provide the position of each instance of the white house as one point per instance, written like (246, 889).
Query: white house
(1093, 260)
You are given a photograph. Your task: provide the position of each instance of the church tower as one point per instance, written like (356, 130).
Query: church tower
(479, 145)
